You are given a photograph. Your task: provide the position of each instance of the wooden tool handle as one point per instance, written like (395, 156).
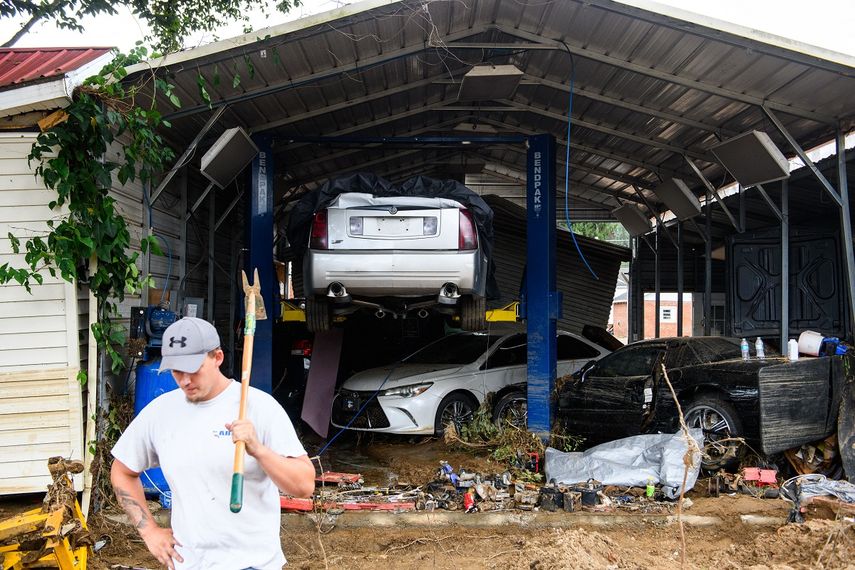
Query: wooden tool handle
(236, 501)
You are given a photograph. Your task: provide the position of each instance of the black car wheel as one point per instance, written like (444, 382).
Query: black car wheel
(317, 314)
(511, 409)
(456, 409)
(473, 313)
(720, 424)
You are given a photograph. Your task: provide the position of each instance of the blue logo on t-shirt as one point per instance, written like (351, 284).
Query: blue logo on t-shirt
(218, 433)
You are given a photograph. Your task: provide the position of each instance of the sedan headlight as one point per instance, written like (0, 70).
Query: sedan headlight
(407, 391)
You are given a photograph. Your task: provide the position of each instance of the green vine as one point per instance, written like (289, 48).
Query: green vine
(71, 160)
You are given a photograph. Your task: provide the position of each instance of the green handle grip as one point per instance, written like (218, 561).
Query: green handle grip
(237, 493)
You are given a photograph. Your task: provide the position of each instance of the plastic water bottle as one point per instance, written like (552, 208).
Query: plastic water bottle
(758, 347)
(746, 353)
(793, 349)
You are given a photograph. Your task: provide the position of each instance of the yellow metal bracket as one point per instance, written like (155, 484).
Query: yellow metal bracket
(507, 314)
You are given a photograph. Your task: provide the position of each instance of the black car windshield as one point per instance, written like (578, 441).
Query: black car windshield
(455, 349)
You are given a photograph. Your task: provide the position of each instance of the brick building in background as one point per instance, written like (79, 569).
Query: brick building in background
(667, 315)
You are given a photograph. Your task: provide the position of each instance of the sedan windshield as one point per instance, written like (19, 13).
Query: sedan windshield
(455, 349)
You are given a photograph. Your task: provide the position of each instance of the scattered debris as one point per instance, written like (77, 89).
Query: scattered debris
(54, 535)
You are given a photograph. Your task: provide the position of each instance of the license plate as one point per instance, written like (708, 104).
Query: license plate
(394, 226)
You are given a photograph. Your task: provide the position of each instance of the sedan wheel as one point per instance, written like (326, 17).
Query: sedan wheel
(511, 409)
(720, 425)
(454, 409)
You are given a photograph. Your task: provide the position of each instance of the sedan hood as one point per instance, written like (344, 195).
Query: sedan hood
(402, 375)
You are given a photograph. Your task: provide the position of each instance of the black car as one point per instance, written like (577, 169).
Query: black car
(772, 403)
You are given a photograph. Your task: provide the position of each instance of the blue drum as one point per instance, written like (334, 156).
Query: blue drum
(150, 385)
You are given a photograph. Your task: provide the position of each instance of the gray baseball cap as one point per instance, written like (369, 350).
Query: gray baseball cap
(186, 342)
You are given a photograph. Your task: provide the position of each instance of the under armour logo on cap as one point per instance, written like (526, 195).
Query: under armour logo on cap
(190, 341)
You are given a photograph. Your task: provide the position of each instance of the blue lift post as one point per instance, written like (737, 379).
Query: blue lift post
(260, 256)
(543, 302)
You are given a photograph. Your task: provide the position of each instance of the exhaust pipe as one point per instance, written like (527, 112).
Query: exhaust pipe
(449, 293)
(336, 289)
(380, 313)
(423, 313)
(337, 293)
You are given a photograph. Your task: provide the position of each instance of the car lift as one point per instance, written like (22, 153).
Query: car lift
(540, 306)
(291, 311)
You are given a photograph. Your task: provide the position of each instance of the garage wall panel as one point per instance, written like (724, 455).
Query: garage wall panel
(40, 398)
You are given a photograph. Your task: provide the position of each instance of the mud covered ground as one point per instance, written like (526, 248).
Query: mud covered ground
(644, 542)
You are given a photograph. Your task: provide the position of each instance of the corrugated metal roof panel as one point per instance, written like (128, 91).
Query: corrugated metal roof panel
(652, 84)
(24, 65)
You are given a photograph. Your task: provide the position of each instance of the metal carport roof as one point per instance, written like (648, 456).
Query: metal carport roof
(652, 86)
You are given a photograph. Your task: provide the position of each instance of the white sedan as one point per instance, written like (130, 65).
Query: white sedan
(446, 381)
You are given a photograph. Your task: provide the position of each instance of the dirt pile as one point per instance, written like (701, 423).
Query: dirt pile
(814, 544)
(575, 549)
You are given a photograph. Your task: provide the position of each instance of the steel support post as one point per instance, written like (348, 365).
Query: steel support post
(212, 233)
(679, 278)
(741, 209)
(708, 265)
(846, 226)
(631, 301)
(177, 302)
(542, 300)
(785, 265)
(657, 285)
(260, 257)
(233, 297)
(637, 293)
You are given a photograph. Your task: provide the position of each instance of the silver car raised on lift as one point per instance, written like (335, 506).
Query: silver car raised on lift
(394, 255)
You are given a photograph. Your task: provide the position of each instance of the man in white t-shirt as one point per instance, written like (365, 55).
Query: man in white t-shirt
(190, 433)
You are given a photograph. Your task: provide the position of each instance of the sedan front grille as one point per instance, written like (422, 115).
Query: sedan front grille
(348, 403)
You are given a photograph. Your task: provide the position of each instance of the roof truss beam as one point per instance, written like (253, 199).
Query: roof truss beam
(665, 76)
(659, 171)
(609, 130)
(344, 105)
(291, 83)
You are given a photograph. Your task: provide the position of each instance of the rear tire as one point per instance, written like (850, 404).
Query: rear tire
(473, 313)
(454, 408)
(317, 314)
(719, 421)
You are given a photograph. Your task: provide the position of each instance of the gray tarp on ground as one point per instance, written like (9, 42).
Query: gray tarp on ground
(630, 462)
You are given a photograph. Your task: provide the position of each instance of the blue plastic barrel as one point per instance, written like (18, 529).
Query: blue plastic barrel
(150, 385)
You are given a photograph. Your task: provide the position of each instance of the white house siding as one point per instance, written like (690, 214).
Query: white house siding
(40, 399)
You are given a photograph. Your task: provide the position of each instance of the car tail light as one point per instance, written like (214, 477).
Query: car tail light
(302, 348)
(429, 226)
(356, 225)
(467, 237)
(320, 236)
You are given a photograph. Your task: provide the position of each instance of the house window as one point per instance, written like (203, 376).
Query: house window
(667, 314)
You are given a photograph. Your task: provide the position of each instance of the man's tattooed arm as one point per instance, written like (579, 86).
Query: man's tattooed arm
(138, 513)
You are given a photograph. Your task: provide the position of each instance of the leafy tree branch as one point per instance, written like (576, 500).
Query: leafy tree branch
(170, 21)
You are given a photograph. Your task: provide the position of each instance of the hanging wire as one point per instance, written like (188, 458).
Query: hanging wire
(567, 163)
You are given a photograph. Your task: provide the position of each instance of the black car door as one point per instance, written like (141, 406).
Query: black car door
(607, 401)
